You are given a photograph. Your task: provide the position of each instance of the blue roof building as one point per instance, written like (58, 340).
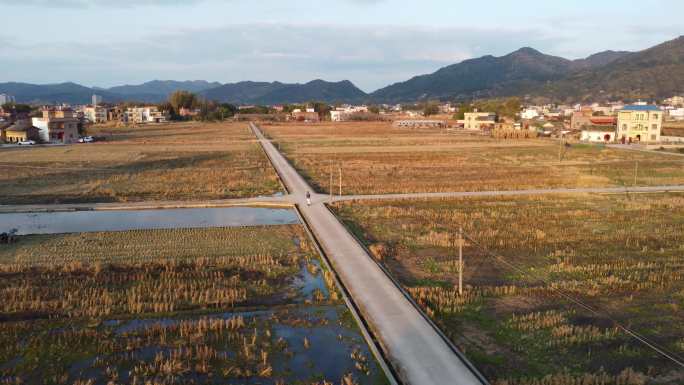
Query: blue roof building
(641, 108)
(640, 123)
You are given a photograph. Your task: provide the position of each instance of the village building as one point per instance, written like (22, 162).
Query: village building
(675, 101)
(598, 134)
(5, 98)
(95, 114)
(420, 124)
(477, 121)
(18, 131)
(675, 113)
(339, 116)
(581, 118)
(530, 113)
(116, 114)
(149, 114)
(58, 125)
(189, 112)
(310, 115)
(640, 123)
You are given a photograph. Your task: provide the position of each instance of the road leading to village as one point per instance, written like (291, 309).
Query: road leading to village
(414, 348)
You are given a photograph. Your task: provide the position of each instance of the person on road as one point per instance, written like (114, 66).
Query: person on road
(308, 198)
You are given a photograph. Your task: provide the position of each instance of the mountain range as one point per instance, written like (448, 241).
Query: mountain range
(652, 73)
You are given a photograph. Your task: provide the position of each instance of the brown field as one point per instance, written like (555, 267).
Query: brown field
(192, 161)
(528, 261)
(377, 158)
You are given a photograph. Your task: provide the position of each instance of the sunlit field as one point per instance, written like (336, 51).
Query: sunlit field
(183, 161)
(377, 158)
(549, 281)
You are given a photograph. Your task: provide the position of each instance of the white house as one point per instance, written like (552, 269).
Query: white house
(676, 114)
(145, 115)
(598, 135)
(530, 113)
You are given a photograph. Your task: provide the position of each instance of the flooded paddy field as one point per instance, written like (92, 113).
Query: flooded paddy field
(250, 305)
(123, 220)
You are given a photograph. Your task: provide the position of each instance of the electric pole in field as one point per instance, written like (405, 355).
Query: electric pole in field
(636, 171)
(331, 180)
(560, 148)
(460, 261)
(340, 181)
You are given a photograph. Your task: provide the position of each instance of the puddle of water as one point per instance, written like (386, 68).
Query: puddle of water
(307, 283)
(96, 221)
(328, 354)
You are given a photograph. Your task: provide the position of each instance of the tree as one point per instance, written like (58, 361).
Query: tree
(462, 109)
(323, 109)
(183, 99)
(431, 108)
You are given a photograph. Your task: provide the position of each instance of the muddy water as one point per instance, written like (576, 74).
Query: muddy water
(96, 221)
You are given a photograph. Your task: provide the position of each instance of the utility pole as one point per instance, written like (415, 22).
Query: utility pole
(331, 180)
(340, 181)
(460, 261)
(560, 148)
(636, 171)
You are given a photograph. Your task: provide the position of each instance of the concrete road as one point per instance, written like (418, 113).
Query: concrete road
(597, 190)
(414, 348)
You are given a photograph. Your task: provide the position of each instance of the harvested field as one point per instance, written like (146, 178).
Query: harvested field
(208, 306)
(377, 158)
(529, 263)
(191, 161)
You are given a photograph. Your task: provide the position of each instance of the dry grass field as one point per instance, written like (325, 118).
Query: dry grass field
(204, 306)
(377, 158)
(190, 161)
(529, 260)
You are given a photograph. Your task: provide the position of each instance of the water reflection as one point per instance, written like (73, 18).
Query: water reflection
(94, 221)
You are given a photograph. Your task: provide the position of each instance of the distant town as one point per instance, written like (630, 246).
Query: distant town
(653, 125)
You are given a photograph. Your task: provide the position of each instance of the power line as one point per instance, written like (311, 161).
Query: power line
(652, 345)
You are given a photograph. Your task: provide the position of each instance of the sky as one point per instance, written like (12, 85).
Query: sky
(373, 43)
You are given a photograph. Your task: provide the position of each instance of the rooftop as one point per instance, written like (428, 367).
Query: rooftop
(641, 108)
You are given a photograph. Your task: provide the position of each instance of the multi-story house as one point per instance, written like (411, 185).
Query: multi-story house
(479, 120)
(640, 123)
(95, 114)
(58, 125)
(145, 115)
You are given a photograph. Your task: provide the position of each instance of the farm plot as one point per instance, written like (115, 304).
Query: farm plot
(165, 162)
(249, 305)
(376, 158)
(549, 281)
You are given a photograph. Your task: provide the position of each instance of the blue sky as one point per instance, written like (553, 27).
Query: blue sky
(370, 42)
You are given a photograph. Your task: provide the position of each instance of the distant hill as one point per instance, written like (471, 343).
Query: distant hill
(71, 93)
(657, 72)
(598, 60)
(159, 90)
(281, 93)
(242, 92)
(514, 74)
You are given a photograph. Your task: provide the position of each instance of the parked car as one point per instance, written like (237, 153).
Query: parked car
(86, 139)
(26, 143)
